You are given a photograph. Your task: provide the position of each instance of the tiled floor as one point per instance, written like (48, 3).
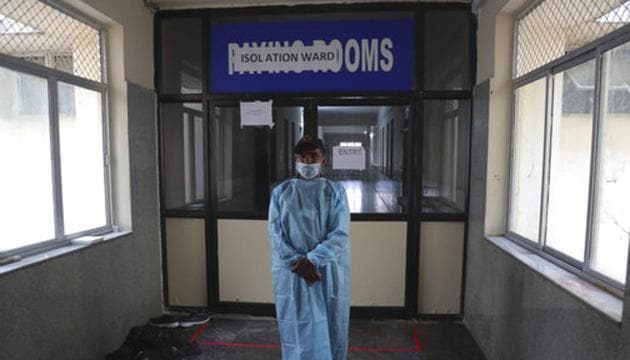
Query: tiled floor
(370, 191)
(230, 337)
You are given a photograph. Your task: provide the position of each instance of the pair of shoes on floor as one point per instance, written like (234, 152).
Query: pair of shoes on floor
(186, 320)
(147, 342)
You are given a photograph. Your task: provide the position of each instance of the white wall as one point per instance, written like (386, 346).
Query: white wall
(494, 62)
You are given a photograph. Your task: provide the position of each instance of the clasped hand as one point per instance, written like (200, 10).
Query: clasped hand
(306, 270)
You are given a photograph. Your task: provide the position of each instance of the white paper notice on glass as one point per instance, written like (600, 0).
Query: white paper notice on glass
(256, 113)
(348, 158)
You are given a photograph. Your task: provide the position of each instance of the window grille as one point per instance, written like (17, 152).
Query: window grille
(37, 32)
(554, 28)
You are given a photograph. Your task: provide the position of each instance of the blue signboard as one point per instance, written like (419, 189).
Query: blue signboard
(347, 55)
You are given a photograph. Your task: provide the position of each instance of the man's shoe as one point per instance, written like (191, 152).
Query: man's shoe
(193, 319)
(164, 321)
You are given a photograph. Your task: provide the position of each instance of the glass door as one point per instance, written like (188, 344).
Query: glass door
(367, 147)
(249, 160)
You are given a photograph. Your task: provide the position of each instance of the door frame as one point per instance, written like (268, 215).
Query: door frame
(415, 99)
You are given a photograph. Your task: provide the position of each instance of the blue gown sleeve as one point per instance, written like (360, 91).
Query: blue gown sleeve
(337, 238)
(279, 242)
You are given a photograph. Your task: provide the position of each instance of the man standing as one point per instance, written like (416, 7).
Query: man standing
(310, 251)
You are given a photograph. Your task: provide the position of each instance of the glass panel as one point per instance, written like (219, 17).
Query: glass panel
(611, 223)
(571, 133)
(366, 152)
(527, 160)
(288, 130)
(183, 156)
(249, 160)
(181, 56)
(446, 50)
(82, 161)
(445, 156)
(26, 183)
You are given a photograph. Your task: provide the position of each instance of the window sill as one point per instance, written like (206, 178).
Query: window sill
(599, 299)
(57, 252)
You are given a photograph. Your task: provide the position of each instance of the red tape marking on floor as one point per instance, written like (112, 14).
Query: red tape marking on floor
(276, 346)
(240, 345)
(416, 339)
(199, 331)
(202, 328)
(378, 349)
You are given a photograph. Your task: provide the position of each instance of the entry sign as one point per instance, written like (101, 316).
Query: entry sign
(348, 158)
(348, 55)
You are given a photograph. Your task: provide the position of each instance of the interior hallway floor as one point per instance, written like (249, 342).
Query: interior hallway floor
(239, 337)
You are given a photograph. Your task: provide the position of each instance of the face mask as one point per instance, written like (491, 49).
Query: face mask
(308, 171)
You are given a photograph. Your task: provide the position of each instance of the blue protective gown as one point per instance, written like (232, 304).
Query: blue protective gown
(311, 218)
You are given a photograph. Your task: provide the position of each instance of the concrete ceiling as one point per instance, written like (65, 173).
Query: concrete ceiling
(195, 4)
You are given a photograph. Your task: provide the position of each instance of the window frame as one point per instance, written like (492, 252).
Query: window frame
(53, 77)
(594, 50)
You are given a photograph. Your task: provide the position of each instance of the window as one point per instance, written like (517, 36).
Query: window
(527, 160)
(569, 183)
(26, 184)
(611, 223)
(81, 152)
(39, 33)
(30, 92)
(554, 28)
(366, 154)
(569, 168)
(53, 145)
(445, 156)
